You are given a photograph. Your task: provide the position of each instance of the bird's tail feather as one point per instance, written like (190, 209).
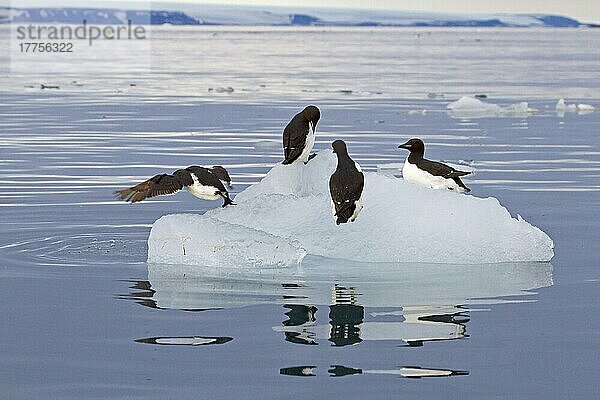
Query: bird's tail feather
(456, 174)
(345, 212)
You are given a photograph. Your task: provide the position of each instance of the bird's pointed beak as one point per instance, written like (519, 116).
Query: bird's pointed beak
(404, 146)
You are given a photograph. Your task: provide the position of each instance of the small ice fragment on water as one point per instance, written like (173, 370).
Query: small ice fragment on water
(417, 112)
(585, 107)
(470, 107)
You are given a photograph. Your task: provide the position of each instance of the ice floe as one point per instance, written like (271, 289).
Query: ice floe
(287, 215)
(585, 107)
(562, 107)
(470, 107)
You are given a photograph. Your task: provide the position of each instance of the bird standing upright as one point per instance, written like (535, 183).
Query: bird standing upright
(299, 135)
(431, 174)
(345, 186)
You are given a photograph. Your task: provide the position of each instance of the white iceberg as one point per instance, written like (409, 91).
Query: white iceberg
(470, 107)
(287, 215)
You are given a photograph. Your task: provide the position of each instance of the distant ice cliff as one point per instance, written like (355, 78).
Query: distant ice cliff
(275, 16)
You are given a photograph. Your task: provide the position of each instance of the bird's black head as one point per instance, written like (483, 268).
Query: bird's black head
(415, 146)
(312, 114)
(339, 147)
(222, 174)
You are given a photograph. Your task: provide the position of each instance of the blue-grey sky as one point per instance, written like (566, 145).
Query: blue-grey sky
(583, 10)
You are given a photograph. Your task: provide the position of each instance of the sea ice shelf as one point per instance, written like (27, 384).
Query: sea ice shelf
(288, 214)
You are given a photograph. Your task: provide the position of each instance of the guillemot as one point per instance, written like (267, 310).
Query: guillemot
(431, 174)
(345, 186)
(299, 135)
(201, 182)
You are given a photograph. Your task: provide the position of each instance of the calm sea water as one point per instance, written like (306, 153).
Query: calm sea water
(84, 316)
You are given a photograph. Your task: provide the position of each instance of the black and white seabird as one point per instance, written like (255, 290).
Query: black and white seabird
(299, 135)
(431, 174)
(201, 182)
(346, 186)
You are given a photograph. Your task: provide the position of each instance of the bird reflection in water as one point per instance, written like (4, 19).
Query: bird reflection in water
(413, 372)
(345, 316)
(348, 324)
(300, 316)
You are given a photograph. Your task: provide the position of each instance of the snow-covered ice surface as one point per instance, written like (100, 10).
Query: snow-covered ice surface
(400, 222)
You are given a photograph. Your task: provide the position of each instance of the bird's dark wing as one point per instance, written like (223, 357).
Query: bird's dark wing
(294, 138)
(156, 186)
(206, 177)
(346, 188)
(439, 169)
(184, 177)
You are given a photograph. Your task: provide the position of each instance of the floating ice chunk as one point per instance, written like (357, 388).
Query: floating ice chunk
(199, 240)
(469, 107)
(417, 112)
(585, 108)
(289, 210)
(473, 105)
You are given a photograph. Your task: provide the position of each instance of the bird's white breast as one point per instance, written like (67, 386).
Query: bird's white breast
(203, 191)
(412, 173)
(308, 144)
